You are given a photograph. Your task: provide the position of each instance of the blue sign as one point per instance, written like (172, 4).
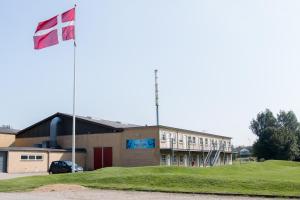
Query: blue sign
(147, 143)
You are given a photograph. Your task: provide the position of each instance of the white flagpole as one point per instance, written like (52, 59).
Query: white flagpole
(74, 97)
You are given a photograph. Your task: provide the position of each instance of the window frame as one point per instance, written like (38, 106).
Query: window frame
(180, 138)
(31, 157)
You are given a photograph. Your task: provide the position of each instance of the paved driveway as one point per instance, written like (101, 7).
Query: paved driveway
(10, 176)
(90, 194)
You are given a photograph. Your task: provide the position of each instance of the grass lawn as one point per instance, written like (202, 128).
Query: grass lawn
(278, 178)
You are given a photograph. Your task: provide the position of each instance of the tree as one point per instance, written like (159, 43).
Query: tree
(278, 138)
(263, 120)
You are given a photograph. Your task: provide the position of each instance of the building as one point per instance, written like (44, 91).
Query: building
(103, 143)
(7, 138)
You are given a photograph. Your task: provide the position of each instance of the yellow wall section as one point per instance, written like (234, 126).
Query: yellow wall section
(16, 165)
(7, 140)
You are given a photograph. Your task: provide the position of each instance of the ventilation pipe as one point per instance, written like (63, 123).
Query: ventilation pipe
(53, 131)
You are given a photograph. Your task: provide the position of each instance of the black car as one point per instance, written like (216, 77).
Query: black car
(63, 166)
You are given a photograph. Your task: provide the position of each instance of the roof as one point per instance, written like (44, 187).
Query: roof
(102, 122)
(114, 124)
(185, 130)
(196, 132)
(8, 130)
(37, 149)
(121, 126)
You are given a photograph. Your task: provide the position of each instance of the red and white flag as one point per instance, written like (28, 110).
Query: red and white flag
(58, 28)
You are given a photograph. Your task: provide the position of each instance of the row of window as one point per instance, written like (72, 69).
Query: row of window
(192, 139)
(31, 157)
(164, 158)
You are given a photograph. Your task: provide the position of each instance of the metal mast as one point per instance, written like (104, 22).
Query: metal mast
(74, 103)
(156, 98)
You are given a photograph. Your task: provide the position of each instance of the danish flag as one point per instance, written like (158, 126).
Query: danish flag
(58, 28)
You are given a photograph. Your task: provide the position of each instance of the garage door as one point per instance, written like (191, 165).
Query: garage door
(3, 161)
(102, 157)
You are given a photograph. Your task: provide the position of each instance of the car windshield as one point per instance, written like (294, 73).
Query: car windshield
(69, 163)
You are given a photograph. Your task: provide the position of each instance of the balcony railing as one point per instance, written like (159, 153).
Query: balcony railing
(190, 146)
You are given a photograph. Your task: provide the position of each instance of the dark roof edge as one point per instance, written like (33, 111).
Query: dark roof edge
(66, 115)
(9, 133)
(180, 129)
(38, 149)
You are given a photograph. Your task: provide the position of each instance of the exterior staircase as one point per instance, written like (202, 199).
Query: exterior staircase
(212, 157)
(216, 158)
(207, 158)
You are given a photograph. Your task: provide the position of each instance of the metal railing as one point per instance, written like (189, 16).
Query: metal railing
(190, 146)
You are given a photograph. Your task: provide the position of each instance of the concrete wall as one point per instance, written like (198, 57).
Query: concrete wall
(7, 140)
(29, 142)
(16, 165)
(140, 157)
(90, 141)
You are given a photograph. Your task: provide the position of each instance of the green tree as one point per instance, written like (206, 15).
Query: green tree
(263, 120)
(278, 138)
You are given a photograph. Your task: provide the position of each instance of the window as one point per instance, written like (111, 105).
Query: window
(163, 158)
(163, 136)
(31, 157)
(189, 139)
(39, 157)
(181, 160)
(175, 158)
(206, 141)
(194, 140)
(201, 141)
(175, 138)
(24, 157)
(180, 138)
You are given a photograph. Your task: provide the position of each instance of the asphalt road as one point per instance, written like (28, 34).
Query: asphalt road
(90, 194)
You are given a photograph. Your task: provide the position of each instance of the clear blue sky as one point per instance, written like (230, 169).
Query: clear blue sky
(220, 62)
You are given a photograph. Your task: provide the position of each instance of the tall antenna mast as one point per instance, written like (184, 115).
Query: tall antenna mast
(156, 98)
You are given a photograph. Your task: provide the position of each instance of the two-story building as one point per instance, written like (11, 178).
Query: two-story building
(191, 148)
(103, 143)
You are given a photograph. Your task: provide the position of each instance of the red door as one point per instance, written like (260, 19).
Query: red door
(107, 156)
(102, 157)
(98, 158)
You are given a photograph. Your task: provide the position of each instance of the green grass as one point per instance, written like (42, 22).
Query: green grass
(275, 178)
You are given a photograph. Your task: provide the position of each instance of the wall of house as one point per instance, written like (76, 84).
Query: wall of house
(16, 165)
(121, 155)
(29, 142)
(140, 156)
(180, 140)
(91, 141)
(7, 140)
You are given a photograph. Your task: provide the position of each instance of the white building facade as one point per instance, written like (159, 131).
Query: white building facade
(181, 147)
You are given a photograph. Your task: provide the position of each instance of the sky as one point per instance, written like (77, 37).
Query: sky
(219, 62)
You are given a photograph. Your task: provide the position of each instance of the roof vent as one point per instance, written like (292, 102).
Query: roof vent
(89, 117)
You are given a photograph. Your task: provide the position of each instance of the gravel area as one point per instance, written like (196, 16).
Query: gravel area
(10, 176)
(90, 194)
